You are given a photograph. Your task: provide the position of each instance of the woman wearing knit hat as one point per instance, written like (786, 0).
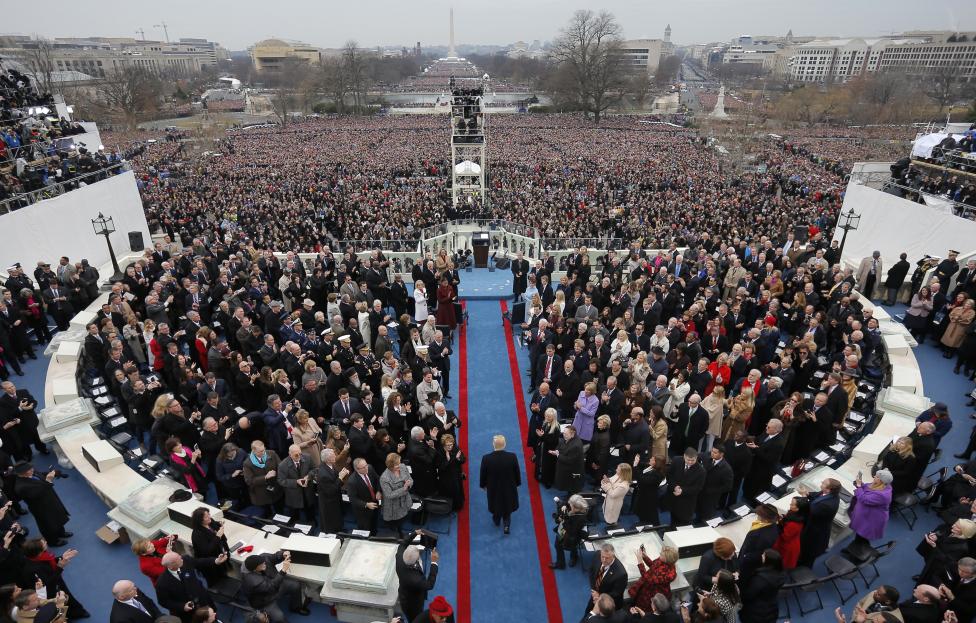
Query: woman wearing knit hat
(869, 508)
(943, 548)
(439, 612)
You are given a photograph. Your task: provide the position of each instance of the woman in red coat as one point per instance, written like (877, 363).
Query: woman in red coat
(150, 555)
(445, 304)
(656, 577)
(790, 527)
(721, 373)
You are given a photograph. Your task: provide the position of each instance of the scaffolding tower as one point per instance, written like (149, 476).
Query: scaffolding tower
(469, 143)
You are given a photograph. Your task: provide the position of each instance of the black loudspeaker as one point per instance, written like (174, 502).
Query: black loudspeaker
(135, 241)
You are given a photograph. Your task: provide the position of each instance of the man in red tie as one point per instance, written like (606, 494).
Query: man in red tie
(364, 492)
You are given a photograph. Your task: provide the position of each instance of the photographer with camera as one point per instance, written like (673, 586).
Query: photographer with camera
(570, 523)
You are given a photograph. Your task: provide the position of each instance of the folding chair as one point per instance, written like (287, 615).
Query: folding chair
(442, 507)
(842, 569)
(806, 581)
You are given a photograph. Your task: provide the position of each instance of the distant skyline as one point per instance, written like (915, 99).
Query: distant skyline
(237, 25)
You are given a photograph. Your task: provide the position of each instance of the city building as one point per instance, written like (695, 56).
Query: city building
(270, 55)
(100, 57)
(646, 54)
(913, 53)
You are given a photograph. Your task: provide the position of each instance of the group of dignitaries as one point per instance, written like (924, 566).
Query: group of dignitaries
(709, 369)
(277, 385)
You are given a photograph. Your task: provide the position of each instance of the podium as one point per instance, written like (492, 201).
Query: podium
(481, 245)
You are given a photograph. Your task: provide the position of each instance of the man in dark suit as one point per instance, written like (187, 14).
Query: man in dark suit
(56, 299)
(414, 583)
(837, 401)
(96, 346)
(520, 275)
(960, 590)
(607, 577)
(923, 446)
(330, 481)
(18, 406)
(344, 408)
(686, 479)
(923, 607)
(739, 455)
(548, 367)
(500, 478)
(211, 384)
(364, 492)
(714, 344)
(440, 357)
(690, 427)
(541, 400)
(718, 483)
(43, 502)
(815, 537)
(539, 339)
(131, 605)
(766, 461)
(179, 588)
(635, 435)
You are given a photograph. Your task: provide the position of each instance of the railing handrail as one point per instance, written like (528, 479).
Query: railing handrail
(53, 190)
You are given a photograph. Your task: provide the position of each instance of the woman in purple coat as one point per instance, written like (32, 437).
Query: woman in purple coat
(869, 512)
(586, 406)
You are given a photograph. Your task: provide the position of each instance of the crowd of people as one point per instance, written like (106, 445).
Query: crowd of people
(385, 179)
(274, 386)
(265, 385)
(688, 380)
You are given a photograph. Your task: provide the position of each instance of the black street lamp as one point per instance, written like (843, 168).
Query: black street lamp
(105, 227)
(848, 221)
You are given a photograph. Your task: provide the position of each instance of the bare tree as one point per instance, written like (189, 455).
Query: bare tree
(667, 69)
(335, 81)
(357, 74)
(944, 84)
(39, 58)
(589, 48)
(639, 87)
(128, 95)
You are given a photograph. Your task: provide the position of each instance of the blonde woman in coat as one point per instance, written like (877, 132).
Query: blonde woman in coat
(658, 426)
(615, 489)
(714, 404)
(740, 410)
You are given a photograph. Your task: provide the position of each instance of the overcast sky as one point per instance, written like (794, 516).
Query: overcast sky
(328, 23)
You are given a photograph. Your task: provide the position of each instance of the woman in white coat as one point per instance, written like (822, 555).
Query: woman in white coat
(680, 388)
(420, 302)
(615, 490)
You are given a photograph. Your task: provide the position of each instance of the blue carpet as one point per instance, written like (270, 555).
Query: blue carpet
(506, 582)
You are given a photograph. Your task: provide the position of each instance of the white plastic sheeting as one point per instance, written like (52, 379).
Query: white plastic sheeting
(923, 145)
(893, 226)
(62, 225)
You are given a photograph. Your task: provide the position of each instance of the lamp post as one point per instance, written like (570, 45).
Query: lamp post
(848, 221)
(104, 226)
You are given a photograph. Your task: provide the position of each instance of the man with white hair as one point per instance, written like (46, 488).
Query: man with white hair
(330, 481)
(768, 451)
(131, 605)
(500, 478)
(363, 488)
(414, 584)
(179, 588)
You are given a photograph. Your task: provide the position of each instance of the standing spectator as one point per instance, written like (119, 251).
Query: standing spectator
(43, 502)
(869, 508)
(896, 278)
(395, 483)
(790, 531)
(414, 583)
(615, 489)
(295, 478)
(569, 461)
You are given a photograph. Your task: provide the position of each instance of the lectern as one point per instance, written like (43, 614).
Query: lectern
(481, 244)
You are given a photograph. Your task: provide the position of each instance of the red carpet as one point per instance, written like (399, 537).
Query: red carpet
(538, 513)
(463, 606)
